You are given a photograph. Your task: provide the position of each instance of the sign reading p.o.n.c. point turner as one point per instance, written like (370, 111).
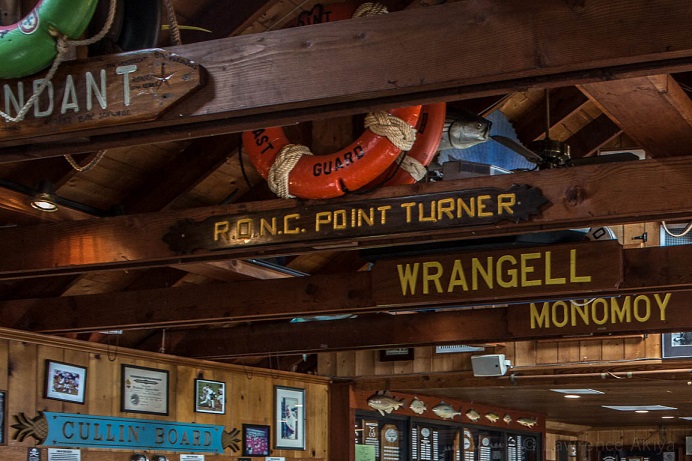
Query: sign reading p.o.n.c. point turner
(366, 218)
(89, 431)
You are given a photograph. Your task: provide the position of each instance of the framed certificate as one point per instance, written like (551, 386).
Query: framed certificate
(144, 390)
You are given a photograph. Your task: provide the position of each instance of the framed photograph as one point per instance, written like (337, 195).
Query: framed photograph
(256, 440)
(676, 345)
(65, 382)
(289, 418)
(3, 412)
(144, 390)
(210, 396)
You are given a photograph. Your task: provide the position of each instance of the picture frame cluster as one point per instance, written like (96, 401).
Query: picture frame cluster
(146, 390)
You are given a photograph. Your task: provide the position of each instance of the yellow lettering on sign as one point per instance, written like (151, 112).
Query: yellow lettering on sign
(549, 280)
(408, 276)
(457, 279)
(639, 301)
(662, 304)
(573, 277)
(513, 276)
(432, 271)
(221, 229)
(620, 315)
(542, 319)
(526, 269)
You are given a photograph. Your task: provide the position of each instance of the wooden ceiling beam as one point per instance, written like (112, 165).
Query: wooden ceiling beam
(334, 294)
(563, 103)
(579, 196)
(601, 39)
(588, 140)
(654, 111)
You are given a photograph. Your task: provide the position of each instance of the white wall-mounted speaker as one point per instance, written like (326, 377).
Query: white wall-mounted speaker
(688, 445)
(489, 365)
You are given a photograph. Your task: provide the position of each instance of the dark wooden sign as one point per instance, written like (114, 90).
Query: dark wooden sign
(488, 276)
(625, 313)
(102, 91)
(358, 219)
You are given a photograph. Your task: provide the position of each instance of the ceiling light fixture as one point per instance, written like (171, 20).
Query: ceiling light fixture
(44, 200)
(572, 396)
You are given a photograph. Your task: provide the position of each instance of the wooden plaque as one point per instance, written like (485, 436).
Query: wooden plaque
(499, 274)
(102, 91)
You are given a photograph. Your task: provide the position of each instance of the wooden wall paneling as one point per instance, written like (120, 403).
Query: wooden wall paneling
(568, 351)
(22, 382)
(635, 348)
(547, 352)
(365, 361)
(184, 388)
(589, 350)
(317, 401)
(525, 353)
(402, 367)
(653, 345)
(613, 349)
(103, 390)
(346, 365)
(423, 359)
(383, 368)
(326, 364)
(4, 363)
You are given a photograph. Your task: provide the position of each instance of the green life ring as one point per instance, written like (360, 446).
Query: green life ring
(29, 45)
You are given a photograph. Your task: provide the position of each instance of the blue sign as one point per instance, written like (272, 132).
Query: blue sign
(75, 430)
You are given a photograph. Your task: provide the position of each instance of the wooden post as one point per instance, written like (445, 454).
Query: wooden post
(342, 418)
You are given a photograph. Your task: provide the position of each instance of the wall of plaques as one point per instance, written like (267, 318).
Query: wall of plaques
(398, 438)
(402, 427)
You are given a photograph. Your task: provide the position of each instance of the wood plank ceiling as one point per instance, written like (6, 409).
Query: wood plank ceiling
(133, 176)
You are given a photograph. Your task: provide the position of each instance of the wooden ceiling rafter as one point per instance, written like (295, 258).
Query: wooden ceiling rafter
(232, 104)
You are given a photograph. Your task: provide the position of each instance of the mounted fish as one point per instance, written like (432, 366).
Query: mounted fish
(417, 406)
(384, 402)
(464, 129)
(445, 411)
(507, 419)
(492, 417)
(528, 422)
(473, 415)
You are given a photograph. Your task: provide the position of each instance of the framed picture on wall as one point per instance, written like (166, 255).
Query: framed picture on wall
(210, 396)
(3, 412)
(256, 440)
(289, 418)
(144, 390)
(65, 382)
(676, 345)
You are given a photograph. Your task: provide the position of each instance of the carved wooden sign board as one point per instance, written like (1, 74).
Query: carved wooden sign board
(101, 91)
(650, 312)
(506, 274)
(358, 219)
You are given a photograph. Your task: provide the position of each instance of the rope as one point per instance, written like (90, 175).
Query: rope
(88, 166)
(62, 46)
(172, 23)
(399, 133)
(370, 9)
(413, 167)
(278, 174)
(682, 234)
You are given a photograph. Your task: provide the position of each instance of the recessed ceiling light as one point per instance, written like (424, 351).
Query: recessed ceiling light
(667, 417)
(572, 396)
(641, 411)
(639, 407)
(577, 391)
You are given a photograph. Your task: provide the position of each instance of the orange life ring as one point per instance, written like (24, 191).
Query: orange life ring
(332, 175)
(428, 135)
(328, 176)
